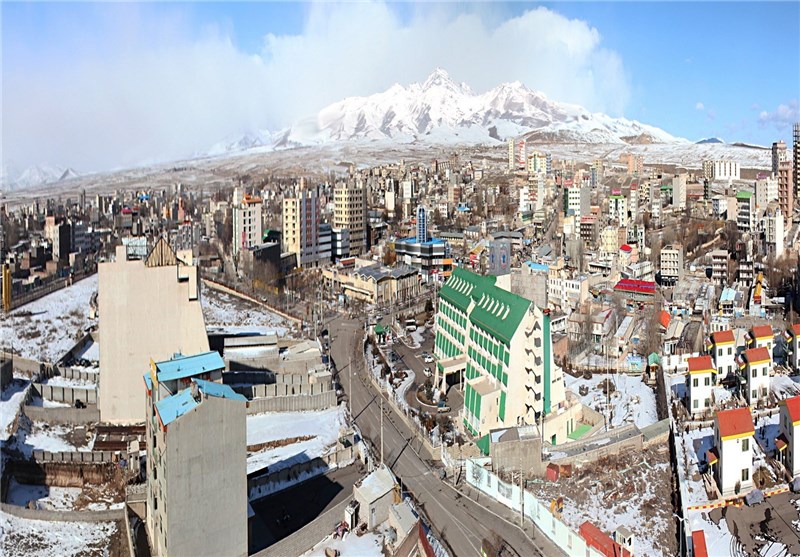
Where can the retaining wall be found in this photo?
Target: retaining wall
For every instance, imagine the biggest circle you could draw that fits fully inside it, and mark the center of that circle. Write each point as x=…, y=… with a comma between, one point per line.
x=267, y=484
x=25, y=366
x=60, y=474
x=591, y=451
x=295, y=403
x=534, y=510
x=82, y=457
x=66, y=394
x=307, y=536
x=82, y=342
x=284, y=389
x=63, y=516
x=80, y=374
x=222, y=288
x=65, y=415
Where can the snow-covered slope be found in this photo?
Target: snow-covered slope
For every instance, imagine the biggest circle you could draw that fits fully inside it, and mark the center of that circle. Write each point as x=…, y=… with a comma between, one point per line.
x=442, y=111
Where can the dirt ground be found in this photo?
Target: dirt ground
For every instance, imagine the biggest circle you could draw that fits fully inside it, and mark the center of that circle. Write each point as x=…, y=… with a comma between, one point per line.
x=777, y=519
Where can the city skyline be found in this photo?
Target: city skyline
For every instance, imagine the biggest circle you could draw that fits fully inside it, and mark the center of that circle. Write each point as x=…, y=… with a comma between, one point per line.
x=155, y=82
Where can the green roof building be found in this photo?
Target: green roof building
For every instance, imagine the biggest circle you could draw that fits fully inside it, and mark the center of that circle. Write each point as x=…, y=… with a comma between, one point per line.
x=500, y=345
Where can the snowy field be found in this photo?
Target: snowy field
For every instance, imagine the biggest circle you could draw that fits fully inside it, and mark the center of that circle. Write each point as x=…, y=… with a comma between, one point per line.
x=783, y=386
x=61, y=381
x=47, y=328
x=44, y=437
x=37, y=538
x=223, y=310
x=632, y=402
x=46, y=497
x=324, y=428
x=368, y=545
x=90, y=352
x=10, y=402
x=693, y=444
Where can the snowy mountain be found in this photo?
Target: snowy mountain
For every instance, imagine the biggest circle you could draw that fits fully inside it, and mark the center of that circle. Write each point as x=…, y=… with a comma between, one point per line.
x=709, y=141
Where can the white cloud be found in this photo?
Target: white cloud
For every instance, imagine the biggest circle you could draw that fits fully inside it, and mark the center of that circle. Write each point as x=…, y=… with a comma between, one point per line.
x=700, y=106
x=170, y=98
x=781, y=118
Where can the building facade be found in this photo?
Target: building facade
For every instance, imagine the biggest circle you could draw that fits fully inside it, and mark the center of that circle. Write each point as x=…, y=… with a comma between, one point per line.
x=701, y=381
x=301, y=227
x=671, y=264
x=247, y=224
x=731, y=459
x=350, y=212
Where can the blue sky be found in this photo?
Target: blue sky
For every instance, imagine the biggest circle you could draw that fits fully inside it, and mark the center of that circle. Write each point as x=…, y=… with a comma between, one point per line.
x=174, y=78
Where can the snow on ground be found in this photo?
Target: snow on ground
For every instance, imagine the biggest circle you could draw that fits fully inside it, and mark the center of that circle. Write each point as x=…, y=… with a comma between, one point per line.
x=221, y=309
x=48, y=327
x=61, y=381
x=40, y=402
x=718, y=537
x=694, y=445
x=90, y=352
x=350, y=545
x=46, y=497
x=677, y=384
x=324, y=426
x=632, y=402
x=767, y=430
x=35, y=538
x=43, y=437
x=10, y=402
x=783, y=386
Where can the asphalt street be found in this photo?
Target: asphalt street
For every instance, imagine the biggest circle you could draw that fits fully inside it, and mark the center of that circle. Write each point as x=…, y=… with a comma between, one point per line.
x=457, y=519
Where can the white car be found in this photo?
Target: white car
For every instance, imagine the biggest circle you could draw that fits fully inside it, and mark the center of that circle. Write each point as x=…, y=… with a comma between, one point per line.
x=427, y=358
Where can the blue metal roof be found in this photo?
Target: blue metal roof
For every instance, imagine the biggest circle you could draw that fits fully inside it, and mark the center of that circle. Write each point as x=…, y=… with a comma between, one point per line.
x=537, y=266
x=181, y=367
x=173, y=407
x=148, y=381
x=210, y=388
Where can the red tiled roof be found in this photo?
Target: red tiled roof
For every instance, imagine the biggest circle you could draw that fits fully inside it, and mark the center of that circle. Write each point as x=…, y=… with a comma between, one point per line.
x=762, y=331
x=781, y=442
x=601, y=541
x=795, y=328
x=638, y=286
x=721, y=337
x=699, y=544
x=793, y=406
x=626, y=248
x=712, y=455
x=664, y=318
x=736, y=422
x=700, y=363
x=757, y=355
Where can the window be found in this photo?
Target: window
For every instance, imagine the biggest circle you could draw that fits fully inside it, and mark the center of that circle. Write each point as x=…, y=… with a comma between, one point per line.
x=745, y=474
x=730, y=351
x=695, y=382
x=695, y=403
x=755, y=373
x=764, y=373
x=707, y=381
x=745, y=445
x=755, y=394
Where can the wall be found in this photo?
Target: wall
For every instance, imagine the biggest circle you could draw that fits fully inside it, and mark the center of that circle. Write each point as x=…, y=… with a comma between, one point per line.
x=22, y=365
x=267, y=484
x=145, y=312
x=61, y=474
x=634, y=443
x=294, y=403
x=285, y=389
x=222, y=288
x=63, y=516
x=53, y=416
x=510, y=455
x=300, y=541
x=538, y=512
x=91, y=337
x=66, y=394
x=83, y=457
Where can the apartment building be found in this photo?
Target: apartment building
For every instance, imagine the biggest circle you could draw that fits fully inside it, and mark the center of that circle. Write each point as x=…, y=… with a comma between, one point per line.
x=779, y=155
x=671, y=264
x=350, y=212
x=788, y=441
x=721, y=170
x=745, y=212
x=679, y=191
x=577, y=200
x=792, y=337
x=196, y=459
x=755, y=363
x=773, y=230
x=766, y=190
x=150, y=309
x=247, y=224
x=618, y=208
x=503, y=344
x=786, y=190
x=700, y=380
x=722, y=347
x=301, y=227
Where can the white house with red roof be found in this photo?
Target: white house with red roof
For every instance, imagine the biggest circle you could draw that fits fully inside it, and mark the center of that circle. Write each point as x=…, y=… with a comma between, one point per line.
x=792, y=336
x=722, y=347
x=761, y=336
x=788, y=442
x=755, y=363
x=700, y=383
x=731, y=459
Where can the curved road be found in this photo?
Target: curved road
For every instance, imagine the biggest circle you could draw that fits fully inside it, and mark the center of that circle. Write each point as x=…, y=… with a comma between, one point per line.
x=461, y=522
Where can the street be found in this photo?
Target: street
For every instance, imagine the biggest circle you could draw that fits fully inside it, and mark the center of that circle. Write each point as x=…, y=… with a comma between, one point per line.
x=456, y=519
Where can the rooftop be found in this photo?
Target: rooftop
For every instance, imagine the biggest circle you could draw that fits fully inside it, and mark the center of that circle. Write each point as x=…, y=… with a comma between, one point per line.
x=734, y=424
x=793, y=407
x=700, y=364
x=757, y=355
x=181, y=367
x=762, y=332
x=377, y=484
x=723, y=337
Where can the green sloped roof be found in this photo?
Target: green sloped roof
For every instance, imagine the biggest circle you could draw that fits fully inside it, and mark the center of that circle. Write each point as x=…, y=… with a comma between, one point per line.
x=499, y=312
x=462, y=286
x=653, y=359
x=483, y=444
x=744, y=195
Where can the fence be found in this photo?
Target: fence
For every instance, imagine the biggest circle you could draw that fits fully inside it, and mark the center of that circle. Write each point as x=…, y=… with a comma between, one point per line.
x=76, y=457
x=284, y=389
x=55, y=284
x=293, y=403
x=62, y=416
x=63, y=516
x=536, y=511
x=588, y=450
x=66, y=394
x=267, y=484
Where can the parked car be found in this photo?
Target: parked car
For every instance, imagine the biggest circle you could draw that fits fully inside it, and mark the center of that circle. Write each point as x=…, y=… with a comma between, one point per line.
x=427, y=372
x=427, y=358
x=79, y=403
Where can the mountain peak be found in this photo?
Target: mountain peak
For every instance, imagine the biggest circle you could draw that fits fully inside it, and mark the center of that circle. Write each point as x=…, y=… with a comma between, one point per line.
x=439, y=78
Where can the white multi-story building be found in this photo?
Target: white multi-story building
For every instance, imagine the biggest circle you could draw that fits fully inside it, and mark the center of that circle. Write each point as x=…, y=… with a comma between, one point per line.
x=745, y=212
x=731, y=459
x=721, y=170
x=761, y=336
x=779, y=154
x=618, y=208
x=671, y=264
x=578, y=200
x=247, y=224
x=701, y=381
x=766, y=190
x=773, y=230
x=679, y=191
x=350, y=212
x=792, y=337
x=196, y=459
x=537, y=163
x=788, y=442
x=722, y=347
x=756, y=362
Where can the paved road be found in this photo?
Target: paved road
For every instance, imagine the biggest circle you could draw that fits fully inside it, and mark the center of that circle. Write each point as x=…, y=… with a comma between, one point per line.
x=458, y=520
